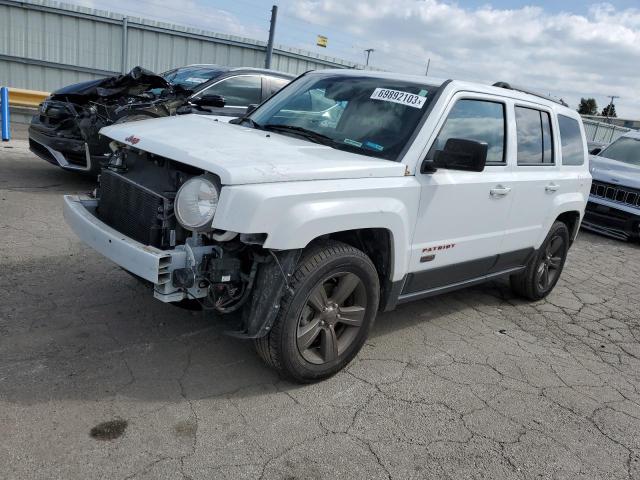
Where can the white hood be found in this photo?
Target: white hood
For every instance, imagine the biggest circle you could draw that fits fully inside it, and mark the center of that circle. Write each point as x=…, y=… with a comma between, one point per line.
x=241, y=155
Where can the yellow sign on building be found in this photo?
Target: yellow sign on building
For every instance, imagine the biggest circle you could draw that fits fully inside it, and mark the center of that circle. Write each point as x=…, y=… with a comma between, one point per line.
x=322, y=41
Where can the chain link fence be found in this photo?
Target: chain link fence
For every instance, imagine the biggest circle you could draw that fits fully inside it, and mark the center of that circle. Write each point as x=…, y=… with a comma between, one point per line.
x=602, y=132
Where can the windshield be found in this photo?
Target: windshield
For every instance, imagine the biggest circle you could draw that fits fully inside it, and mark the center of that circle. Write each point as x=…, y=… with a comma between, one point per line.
x=190, y=77
x=370, y=116
x=624, y=149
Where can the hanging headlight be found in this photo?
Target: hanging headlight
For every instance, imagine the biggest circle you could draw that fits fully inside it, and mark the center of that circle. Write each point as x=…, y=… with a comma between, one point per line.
x=196, y=203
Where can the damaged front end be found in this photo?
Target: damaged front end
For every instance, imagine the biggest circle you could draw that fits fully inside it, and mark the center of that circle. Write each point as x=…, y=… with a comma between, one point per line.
x=65, y=130
x=142, y=217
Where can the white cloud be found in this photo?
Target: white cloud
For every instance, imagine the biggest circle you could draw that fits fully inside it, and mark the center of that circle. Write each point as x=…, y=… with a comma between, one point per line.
x=596, y=53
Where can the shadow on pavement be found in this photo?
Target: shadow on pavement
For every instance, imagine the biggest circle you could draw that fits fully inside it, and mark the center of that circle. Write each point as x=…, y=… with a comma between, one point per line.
x=80, y=327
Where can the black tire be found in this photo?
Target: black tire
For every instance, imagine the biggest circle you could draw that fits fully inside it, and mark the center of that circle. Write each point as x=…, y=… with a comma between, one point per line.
x=551, y=257
x=322, y=266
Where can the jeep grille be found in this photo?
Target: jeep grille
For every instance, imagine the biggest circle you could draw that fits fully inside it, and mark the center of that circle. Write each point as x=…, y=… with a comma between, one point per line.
x=615, y=193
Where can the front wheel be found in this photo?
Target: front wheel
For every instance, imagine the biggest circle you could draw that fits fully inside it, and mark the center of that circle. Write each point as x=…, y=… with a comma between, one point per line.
x=326, y=316
x=544, y=269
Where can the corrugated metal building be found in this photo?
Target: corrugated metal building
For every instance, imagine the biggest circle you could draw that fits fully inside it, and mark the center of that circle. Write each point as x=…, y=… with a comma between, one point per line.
x=45, y=45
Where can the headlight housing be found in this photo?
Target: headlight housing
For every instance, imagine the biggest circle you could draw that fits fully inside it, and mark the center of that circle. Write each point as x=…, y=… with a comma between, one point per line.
x=196, y=203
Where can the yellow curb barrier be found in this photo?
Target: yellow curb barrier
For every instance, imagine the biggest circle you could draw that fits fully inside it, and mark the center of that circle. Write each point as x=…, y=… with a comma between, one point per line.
x=19, y=97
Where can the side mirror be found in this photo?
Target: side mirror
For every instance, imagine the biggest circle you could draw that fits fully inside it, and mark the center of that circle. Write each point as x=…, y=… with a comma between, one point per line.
x=595, y=151
x=458, y=154
x=209, y=101
x=251, y=108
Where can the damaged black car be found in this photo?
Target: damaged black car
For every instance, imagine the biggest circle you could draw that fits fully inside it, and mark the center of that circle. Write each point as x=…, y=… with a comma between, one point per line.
x=65, y=132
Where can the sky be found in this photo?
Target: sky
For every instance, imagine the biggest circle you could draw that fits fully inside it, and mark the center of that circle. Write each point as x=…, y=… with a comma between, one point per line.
x=569, y=49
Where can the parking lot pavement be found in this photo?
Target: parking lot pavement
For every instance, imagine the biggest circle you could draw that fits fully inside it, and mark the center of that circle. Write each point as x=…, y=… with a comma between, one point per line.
x=474, y=384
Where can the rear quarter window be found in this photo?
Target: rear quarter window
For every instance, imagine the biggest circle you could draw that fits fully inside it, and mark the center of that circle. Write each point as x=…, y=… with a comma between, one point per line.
x=571, y=141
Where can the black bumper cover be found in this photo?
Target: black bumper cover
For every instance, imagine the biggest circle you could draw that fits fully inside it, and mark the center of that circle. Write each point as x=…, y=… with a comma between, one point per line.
x=67, y=153
x=612, y=221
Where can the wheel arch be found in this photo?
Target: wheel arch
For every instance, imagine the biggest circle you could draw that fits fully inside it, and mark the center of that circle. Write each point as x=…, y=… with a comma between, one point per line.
x=378, y=245
x=571, y=219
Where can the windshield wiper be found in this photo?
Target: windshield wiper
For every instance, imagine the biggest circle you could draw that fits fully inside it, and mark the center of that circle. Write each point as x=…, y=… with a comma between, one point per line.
x=303, y=132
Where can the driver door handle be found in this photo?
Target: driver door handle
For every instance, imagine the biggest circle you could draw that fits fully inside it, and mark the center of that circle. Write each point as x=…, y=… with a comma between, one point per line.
x=499, y=191
x=552, y=187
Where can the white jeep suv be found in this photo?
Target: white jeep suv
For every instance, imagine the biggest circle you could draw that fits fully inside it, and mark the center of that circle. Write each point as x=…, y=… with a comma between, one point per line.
x=345, y=194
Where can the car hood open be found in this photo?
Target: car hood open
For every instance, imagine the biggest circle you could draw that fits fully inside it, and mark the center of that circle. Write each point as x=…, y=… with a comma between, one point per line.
x=612, y=171
x=241, y=155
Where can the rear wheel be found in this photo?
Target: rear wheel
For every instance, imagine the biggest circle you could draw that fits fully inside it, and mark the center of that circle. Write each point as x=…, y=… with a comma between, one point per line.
x=544, y=269
x=326, y=316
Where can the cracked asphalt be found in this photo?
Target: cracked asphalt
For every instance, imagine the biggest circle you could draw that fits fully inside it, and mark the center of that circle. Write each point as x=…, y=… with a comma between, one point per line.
x=473, y=384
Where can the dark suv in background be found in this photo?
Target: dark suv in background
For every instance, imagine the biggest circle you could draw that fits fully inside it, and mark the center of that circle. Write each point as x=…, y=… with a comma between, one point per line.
x=614, y=203
x=65, y=130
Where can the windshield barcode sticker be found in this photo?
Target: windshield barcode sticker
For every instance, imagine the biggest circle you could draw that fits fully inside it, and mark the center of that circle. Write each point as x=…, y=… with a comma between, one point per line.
x=396, y=96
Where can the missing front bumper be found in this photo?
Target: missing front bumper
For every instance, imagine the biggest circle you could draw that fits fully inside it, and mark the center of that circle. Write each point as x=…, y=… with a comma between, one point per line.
x=146, y=262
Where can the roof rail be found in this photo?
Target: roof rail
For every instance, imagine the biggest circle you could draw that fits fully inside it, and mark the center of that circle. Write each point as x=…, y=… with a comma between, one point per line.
x=530, y=92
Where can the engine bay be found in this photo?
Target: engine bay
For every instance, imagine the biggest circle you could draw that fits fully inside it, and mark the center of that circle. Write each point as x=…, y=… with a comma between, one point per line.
x=136, y=196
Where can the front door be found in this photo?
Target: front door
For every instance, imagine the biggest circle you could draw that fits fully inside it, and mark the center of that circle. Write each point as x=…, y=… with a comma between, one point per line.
x=462, y=215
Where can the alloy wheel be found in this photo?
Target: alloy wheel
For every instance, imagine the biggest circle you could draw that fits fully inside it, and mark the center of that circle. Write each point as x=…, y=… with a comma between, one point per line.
x=550, y=263
x=331, y=317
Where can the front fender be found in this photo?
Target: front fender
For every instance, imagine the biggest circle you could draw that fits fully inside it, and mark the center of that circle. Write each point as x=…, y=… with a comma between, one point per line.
x=293, y=214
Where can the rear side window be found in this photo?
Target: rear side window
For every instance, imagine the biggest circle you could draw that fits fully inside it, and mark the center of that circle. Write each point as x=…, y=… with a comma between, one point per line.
x=277, y=84
x=571, y=141
x=479, y=120
x=535, y=143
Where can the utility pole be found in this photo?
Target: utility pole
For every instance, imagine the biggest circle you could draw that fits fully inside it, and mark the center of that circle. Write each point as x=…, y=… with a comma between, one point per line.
x=125, y=45
x=368, y=52
x=426, y=74
x=272, y=34
x=610, y=105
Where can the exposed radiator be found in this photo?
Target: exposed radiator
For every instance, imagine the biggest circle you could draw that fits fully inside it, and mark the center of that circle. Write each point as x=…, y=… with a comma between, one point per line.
x=134, y=210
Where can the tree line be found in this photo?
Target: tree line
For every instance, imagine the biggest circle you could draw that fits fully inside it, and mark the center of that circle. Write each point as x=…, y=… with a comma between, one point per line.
x=588, y=106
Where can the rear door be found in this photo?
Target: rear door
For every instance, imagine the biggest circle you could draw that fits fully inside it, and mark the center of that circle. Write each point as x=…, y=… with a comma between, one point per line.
x=462, y=215
x=535, y=182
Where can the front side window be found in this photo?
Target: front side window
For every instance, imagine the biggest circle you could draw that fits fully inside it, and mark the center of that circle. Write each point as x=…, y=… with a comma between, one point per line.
x=535, y=143
x=479, y=120
x=624, y=149
x=240, y=91
x=367, y=115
